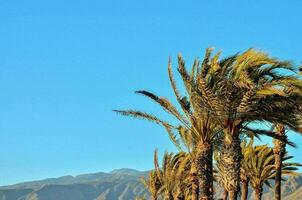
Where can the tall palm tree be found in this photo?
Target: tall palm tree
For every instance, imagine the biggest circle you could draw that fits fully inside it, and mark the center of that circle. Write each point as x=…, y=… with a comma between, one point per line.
x=197, y=129
x=247, y=87
x=294, y=89
x=260, y=168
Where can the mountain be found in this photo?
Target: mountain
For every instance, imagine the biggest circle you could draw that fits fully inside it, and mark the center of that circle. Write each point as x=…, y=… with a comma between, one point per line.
x=119, y=184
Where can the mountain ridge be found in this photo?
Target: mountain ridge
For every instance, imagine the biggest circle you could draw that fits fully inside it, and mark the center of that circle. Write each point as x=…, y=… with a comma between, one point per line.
x=80, y=178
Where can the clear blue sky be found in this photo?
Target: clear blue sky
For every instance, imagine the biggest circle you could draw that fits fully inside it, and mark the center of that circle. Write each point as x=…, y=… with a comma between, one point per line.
x=64, y=65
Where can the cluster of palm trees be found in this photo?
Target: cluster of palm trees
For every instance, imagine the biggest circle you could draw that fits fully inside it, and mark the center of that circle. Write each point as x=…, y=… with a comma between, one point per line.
x=224, y=100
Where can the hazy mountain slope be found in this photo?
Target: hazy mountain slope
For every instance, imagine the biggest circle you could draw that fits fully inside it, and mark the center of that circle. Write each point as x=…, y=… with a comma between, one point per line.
x=61, y=180
x=122, y=184
x=124, y=190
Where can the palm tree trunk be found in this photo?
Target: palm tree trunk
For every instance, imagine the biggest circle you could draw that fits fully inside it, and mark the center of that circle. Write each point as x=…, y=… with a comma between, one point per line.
x=279, y=151
x=230, y=158
x=225, y=195
x=194, y=181
x=204, y=160
x=244, y=191
x=258, y=193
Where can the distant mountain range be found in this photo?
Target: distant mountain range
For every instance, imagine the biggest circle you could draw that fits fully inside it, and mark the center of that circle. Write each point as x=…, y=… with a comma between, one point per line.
x=120, y=184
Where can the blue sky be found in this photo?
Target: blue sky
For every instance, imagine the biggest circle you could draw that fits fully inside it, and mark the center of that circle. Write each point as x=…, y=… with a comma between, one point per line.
x=66, y=64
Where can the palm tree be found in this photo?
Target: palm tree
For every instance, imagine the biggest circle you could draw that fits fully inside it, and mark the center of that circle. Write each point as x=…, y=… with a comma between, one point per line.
x=260, y=167
x=152, y=184
x=197, y=129
x=247, y=87
x=294, y=88
x=183, y=190
x=172, y=175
